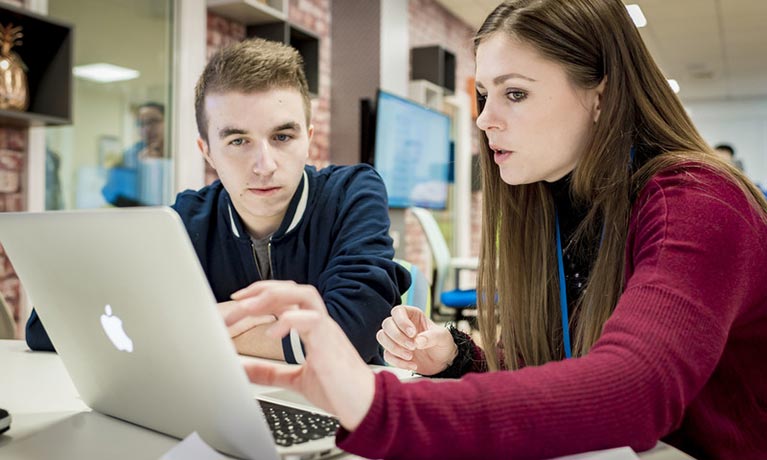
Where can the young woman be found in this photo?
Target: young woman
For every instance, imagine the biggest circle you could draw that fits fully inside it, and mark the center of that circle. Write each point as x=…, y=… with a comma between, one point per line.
x=621, y=272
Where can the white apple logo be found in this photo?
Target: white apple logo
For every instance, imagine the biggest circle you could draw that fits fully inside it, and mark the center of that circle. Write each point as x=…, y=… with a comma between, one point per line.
x=113, y=327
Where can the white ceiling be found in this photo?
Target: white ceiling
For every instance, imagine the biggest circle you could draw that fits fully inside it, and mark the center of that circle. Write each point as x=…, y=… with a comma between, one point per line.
x=715, y=49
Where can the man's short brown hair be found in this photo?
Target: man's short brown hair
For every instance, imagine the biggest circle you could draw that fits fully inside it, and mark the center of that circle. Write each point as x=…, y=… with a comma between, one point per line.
x=250, y=66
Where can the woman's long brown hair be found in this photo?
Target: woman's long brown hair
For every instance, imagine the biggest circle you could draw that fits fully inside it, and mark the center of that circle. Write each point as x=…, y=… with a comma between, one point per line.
x=518, y=290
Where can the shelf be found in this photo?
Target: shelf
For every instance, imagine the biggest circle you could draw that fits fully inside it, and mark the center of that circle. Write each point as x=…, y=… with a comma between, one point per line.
x=249, y=12
x=16, y=119
x=47, y=53
x=306, y=43
x=435, y=64
x=269, y=20
x=308, y=46
x=427, y=93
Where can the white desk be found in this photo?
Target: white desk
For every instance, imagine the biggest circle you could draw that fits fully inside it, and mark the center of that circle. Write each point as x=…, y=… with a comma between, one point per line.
x=50, y=420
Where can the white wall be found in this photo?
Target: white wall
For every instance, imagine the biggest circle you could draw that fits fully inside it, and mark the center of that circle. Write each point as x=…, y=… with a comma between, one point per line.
x=190, y=29
x=97, y=113
x=740, y=123
x=395, y=47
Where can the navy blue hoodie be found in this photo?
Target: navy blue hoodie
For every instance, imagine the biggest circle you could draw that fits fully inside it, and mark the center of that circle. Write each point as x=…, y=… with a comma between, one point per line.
x=334, y=236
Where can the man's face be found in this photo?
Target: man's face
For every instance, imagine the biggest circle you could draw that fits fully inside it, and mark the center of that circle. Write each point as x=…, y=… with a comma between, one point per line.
x=258, y=144
x=151, y=123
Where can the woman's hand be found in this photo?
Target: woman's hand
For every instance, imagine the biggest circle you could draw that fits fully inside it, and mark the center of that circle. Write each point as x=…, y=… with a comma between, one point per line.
x=412, y=341
x=245, y=324
x=333, y=377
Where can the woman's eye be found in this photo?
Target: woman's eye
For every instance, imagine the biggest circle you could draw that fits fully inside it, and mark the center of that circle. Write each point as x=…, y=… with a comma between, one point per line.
x=515, y=95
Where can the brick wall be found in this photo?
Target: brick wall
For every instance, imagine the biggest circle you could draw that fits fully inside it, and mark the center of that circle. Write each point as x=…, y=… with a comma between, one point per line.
x=13, y=150
x=432, y=24
x=222, y=32
x=314, y=16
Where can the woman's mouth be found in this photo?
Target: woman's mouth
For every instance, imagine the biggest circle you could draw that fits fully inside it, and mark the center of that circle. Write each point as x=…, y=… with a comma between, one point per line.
x=500, y=155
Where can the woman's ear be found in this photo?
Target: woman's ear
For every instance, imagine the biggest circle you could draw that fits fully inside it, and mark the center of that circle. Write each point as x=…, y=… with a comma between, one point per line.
x=599, y=91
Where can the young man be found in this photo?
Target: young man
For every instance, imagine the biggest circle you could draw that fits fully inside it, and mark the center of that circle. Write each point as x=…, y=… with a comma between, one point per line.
x=123, y=187
x=272, y=217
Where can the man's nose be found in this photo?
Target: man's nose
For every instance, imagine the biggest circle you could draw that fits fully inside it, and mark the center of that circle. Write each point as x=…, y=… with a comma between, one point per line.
x=264, y=162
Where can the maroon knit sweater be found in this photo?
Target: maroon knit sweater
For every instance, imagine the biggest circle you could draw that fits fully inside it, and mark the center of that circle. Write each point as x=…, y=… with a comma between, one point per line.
x=683, y=357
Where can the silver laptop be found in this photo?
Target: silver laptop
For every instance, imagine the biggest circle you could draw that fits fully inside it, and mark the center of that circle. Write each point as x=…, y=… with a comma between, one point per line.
x=129, y=309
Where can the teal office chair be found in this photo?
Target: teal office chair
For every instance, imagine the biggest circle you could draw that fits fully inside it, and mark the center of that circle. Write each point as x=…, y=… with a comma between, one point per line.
x=419, y=293
x=457, y=300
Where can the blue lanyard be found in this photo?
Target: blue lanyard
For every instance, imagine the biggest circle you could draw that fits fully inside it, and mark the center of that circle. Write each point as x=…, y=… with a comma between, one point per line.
x=563, y=293
x=562, y=286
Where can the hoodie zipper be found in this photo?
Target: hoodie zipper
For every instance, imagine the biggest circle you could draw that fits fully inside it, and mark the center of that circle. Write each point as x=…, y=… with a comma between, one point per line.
x=268, y=255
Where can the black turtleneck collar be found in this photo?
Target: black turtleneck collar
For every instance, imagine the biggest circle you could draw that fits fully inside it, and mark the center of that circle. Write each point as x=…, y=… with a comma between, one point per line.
x=570, y=214
x=577, y=258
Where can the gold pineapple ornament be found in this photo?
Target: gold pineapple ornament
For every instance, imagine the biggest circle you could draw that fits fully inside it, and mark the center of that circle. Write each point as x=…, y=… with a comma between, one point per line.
x=14, y=92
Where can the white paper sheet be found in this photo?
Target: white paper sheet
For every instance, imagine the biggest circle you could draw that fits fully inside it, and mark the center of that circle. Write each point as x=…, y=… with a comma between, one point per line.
x=192, y=448
x=621, y=453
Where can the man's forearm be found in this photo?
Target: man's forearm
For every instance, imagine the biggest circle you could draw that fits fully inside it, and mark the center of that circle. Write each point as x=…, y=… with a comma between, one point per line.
x=255, y=342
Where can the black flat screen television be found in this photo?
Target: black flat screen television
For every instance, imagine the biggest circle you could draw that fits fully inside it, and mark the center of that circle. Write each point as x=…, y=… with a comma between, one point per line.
x=412, y=152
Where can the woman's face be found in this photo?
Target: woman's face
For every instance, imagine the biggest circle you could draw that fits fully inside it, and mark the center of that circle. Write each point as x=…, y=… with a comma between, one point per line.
x=537, y=122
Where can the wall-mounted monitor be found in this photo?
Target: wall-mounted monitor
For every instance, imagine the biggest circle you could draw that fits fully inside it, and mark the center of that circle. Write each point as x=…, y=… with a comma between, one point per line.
x=412, y=152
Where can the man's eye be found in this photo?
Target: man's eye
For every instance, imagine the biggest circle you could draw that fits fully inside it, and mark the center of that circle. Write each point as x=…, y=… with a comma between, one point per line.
x=282, y=137
x=238, y=141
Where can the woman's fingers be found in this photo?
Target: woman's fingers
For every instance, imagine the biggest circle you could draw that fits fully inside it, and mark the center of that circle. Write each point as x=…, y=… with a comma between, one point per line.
x=283, y=291
x=303, y=321
x=235, y=315
x=273, y=374
x=257, y=287
x=397, y=362
x=392, y=347
x=393, y=331
x=402, y=316
x=275, y=298
x=425, y=323
x=432, y=338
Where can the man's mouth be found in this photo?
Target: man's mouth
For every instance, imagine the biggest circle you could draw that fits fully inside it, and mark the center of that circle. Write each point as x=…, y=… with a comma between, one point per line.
x=263, y=190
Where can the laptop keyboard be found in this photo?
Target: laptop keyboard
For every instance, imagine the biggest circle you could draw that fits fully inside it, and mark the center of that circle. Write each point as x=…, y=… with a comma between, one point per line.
x=295, y=426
